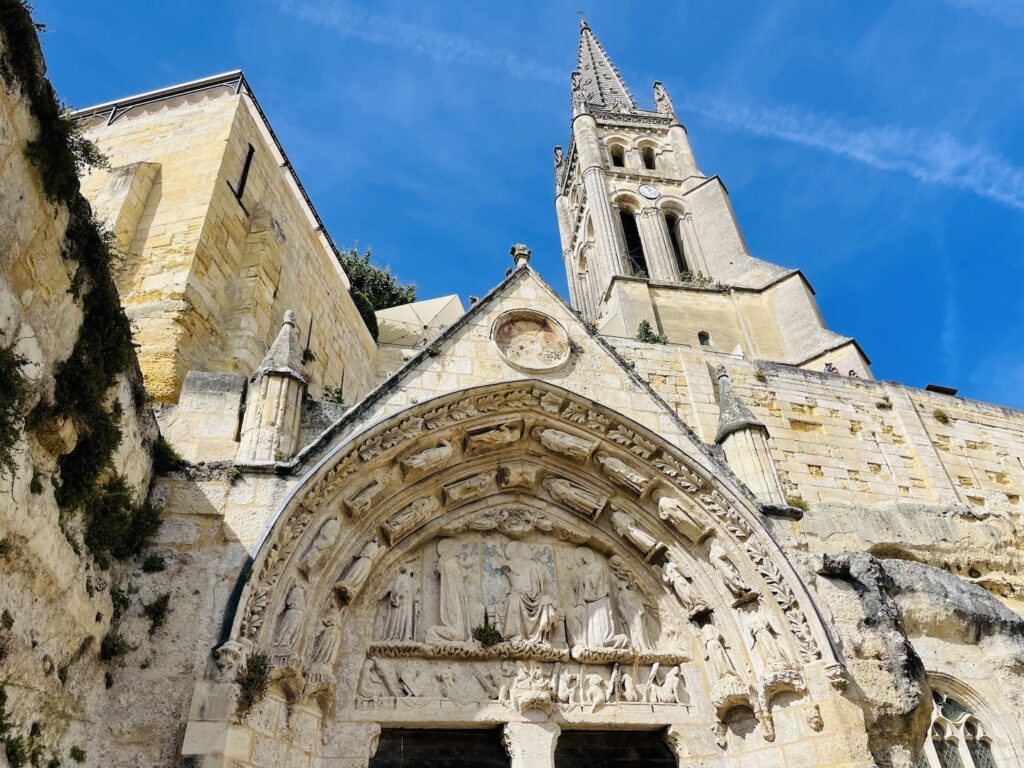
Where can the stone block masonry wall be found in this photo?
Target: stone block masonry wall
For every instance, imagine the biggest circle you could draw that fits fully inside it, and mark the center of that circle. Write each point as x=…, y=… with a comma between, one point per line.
x=837, y=439
x=209, y=276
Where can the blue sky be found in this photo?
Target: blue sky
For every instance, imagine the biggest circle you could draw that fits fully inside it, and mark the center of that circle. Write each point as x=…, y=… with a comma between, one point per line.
x=877, y=146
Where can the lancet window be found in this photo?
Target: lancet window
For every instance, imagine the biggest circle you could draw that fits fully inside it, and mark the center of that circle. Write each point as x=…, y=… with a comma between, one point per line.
x=956, y=739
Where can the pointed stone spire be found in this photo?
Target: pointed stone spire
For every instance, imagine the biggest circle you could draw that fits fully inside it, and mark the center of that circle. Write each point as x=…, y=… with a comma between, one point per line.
x=733, y=415
x=285, y=354
x=600, y=81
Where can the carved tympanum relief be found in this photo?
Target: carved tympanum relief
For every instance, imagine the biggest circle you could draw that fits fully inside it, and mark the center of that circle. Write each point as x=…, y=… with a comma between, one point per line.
x=531, y=341
x=578, y=628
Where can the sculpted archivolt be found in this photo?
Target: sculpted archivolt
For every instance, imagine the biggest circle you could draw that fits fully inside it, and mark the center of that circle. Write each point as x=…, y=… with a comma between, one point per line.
x=550, y=555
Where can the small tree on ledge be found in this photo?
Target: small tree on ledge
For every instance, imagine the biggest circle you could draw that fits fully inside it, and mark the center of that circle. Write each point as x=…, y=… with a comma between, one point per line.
x=646, y=334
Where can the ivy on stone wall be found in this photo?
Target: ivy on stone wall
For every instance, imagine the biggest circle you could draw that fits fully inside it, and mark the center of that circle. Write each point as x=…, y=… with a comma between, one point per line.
x=13, y=398
x=103, y=350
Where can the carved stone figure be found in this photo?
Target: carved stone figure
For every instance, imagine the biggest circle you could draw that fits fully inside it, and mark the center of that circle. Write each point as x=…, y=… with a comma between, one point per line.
x=730, y=574
x=620, y=473
x=326, y=538
x=559, y=157
x=402, y=523
x=363, y=498
x=469, y=488
x=715, y=653
x=403, y=606
x=662, y=102
x=694, y=604
x=290, y=621
x=454, y=626
x=562, y=442
x=495, y=437
x=517, y=475
x=579, y=499
x=672, y=510
x=370, y=685
x=530, y=613
x=627, y=527
x=596, y=691
x=592, y=624
x=634, y=615
x=765, y=638
x=668, y=690
x=429, y=457
x=325, y=644
x=569, y=691
x=357, y=572
x=227, y=657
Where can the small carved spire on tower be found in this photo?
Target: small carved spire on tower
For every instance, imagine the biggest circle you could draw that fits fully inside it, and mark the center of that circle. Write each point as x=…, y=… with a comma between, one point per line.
x=579, y=98
x=662, y=101
x=520, y=255
x=733, y=414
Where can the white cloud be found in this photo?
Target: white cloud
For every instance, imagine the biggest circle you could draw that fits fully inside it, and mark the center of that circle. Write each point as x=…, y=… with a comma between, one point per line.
x=393, y=32
x=932, y=157
x=1010, y=13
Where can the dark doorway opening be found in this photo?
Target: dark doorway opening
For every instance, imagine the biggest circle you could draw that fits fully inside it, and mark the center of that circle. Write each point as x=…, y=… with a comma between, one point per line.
x=432, y=748
x=613, y=749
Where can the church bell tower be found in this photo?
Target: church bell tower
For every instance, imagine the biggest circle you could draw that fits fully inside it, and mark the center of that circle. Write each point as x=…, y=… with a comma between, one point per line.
x=647, y=236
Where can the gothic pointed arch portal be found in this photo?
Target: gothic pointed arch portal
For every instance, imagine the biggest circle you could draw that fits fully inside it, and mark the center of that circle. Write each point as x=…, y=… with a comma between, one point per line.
x=512, y=553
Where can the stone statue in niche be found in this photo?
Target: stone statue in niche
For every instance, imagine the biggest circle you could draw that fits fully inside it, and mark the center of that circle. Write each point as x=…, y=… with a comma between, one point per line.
x=358, y=571
x=592, y=620
x=429, y=457
x=467, y=489
x=562, y=442
x=326, y=538
x=634, y=615
x=402, y=607
x=627, y=527
x=408, y=519
x=579, y=499
x=621, y=473
x=730, y=574
x=530, y=612
x=694, y=604
x=715, y=653
x=766, y=639
x=290, y=621
x=325, y=644
x=454, y=608
x=672, y=510
x=495, y=437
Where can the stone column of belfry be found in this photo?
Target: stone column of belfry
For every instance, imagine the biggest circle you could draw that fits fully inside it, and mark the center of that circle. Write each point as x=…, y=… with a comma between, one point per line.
x=676, y=133
x=608, y=257
x=273, y=407
x=744, y=438
x=657, y=248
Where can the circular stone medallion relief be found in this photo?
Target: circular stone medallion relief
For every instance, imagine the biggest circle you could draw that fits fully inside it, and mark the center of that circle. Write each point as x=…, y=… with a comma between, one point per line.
x=531, y=341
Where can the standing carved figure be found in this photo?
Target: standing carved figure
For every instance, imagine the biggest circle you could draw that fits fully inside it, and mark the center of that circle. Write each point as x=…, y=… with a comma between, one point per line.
x=673, y=575
x=634, y=615
x=290, y=621
x=358, y=571
x=454, y=626
x=325, y=539
x=325, y=644
x=593, y=624
x=429, y=457
x=715, y=653
x=672, y=510
x=530, y=613
x=729, y=572
x=626, y=527
x=403, y=605
x=765, y=638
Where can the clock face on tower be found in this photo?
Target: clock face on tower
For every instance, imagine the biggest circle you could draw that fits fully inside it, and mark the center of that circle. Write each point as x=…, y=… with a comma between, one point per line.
x=649, y=191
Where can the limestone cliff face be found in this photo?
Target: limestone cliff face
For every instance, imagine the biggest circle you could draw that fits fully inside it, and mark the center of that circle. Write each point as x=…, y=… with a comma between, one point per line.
x=55, y=600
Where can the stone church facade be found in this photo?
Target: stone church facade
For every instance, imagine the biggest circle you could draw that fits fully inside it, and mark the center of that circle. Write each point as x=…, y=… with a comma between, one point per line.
x=672, y=521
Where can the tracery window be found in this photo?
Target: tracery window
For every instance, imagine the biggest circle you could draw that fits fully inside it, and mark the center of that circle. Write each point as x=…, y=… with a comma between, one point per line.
x=957, y=739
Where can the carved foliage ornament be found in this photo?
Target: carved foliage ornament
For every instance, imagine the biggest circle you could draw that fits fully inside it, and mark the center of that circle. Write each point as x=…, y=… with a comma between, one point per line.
x=283, y=545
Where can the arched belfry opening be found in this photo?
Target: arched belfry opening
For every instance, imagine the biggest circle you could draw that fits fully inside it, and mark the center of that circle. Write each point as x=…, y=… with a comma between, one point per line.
x=635, y=256
x=517, y=557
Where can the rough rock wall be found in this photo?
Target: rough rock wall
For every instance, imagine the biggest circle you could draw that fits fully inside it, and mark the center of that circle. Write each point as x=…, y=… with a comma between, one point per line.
x=55, y=600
